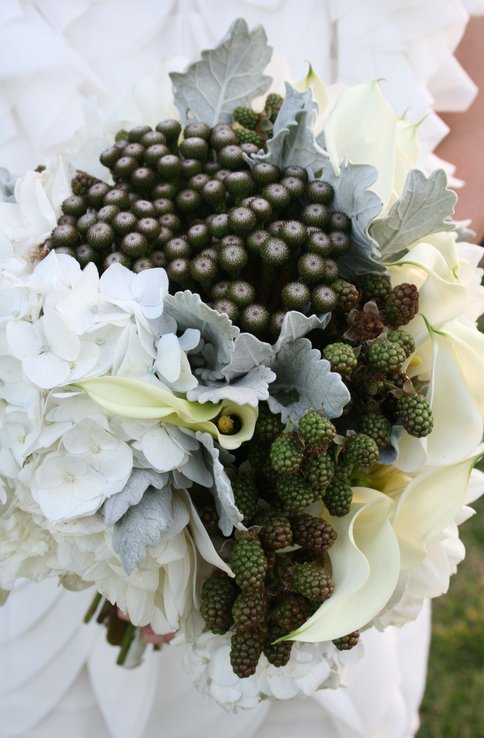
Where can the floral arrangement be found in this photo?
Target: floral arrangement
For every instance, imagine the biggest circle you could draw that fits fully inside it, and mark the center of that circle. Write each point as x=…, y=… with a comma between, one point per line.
x=240, y=377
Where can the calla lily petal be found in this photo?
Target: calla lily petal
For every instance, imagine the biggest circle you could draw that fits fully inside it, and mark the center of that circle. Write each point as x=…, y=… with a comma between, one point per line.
x=366, y=565
x=427, y=506
x=314, y=81
x=372, y=141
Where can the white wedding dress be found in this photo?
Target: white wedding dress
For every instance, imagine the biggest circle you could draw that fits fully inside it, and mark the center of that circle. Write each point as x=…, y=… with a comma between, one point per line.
x=57, y=676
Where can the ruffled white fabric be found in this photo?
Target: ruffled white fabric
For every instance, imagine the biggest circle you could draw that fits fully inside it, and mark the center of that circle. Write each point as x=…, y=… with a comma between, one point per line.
x=58, y=678
x=55, y=55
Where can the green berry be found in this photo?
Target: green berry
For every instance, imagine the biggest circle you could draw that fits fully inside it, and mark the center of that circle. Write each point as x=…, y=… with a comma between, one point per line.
x=342, y=358
x=312, y=581
x=386, y=356
x=318, y=469
x=275, y=532
x=348, y=295
x=246, y=117
x=286, y=454
x=401, y=305
x=339, y=496
x=405, y=340
x=272, y=105
x=249, y=610
x=245, y=650
x=268, y=426
x=416, y=415
x=248, y=562
x=312, y=533
x=375, y=287
x=377, y=427
x=290, y=612
x=217, y=598
x=245, y=135
x=316, y=430
x=345, y=643
x=361, y=450
x=277, y=654
x=296, y=493
x=246, y=496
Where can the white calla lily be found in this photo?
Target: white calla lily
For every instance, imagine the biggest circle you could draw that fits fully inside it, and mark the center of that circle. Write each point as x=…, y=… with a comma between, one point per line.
x=366, y=564
x=314, y=82
x=371, y=141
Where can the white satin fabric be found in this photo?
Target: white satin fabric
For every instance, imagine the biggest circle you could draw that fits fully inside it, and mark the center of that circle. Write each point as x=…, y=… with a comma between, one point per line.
x=55, y=55
x=58, y=677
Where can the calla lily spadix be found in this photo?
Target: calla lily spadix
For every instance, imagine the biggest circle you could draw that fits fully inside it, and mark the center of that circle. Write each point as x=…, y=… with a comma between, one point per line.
x=132, y=398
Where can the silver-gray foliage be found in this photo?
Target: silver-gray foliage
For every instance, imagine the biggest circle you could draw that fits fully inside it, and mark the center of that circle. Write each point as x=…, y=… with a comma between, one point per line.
x=228, y=76
x=140, y=479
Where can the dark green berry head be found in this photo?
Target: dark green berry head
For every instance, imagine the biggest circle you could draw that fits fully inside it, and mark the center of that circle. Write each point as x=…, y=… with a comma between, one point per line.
x=320, y=192
x=295, y=296
x=222, y=135
x=64, y=235
x=171, y=129
x=194, y=148
x=255, y=319
x=100, y=236
x=134, y=245
x=316, y=214
x=242, y=220
x=275, y=252
x=323, y=299
x=264, y=173
x=199, y=236
x=197, y=130
x=241, y=293
x=293, y=233
x=74, y=205
x=319, y=242
x=277, y=195
x=231, y=157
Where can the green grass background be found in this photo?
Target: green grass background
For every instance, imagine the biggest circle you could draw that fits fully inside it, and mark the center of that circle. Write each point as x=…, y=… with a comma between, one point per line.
x=453, y=705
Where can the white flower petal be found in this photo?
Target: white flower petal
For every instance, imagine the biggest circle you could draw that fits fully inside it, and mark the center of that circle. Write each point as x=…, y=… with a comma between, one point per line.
x=46, y=370
x=161, y=451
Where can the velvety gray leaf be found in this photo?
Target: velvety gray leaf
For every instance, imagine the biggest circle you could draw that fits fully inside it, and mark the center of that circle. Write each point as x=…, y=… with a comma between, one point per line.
x=295, y=325
x=229, y=515
x=304, y=381
x=142, y=526
x=7, y=185
x=227, y=76
x=132, y=492
x=248, y=353
x=293, y=140
x=424, y=207
x=352, y=196
x=390, y=454
x=217, y=332
x=249, y=389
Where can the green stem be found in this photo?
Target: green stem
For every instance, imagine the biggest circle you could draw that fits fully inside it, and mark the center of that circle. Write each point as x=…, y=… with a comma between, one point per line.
x=91, y=611
x=128, y=636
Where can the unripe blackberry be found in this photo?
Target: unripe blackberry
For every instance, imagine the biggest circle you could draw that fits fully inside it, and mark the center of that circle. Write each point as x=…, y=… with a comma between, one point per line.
x=311, y=268
x=361, y=450
x=245, y=650
x=312, y=581
x=286, y=454
x=345, y=643
x=64, y=235
x=318, y=470
x=248, y=562
x=320, y=192
x=249, y=610
x=348, y=295
x=246, y=496
x=231, y=157
x=315, y=214
x=290, y=612
x=74, y=205
x=342, y=358
x=100, y=236
x=296, y=493
x=323, y=299
x=275, y=532
x=277, y=654
x=246, y=117
x=272, y=105
x=386, y=356
x=375, y=287
x=246, y=136
x=377, y=427
x=339, y=496
x=268, y=426
x=217, y=598
x=312, y=533
x=405, y=340
x=316, y=430
x=170, y=128
x=416, y=415
x=277, y=195
x=255, y=319
x=319, y=242
x=401, y=305
x=265, y=173
x=293, y=233
x=295, y=296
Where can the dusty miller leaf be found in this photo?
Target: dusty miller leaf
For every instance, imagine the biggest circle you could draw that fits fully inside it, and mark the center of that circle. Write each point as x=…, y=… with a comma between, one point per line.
x=352, y=196
x=248, y=389
x=424, y=207
x=142, y=526
x=248, y=353
x=140, y=479
x=229, y=514
x=304, y=381
x=295, y=325
x=228, y=76
x=293, y=140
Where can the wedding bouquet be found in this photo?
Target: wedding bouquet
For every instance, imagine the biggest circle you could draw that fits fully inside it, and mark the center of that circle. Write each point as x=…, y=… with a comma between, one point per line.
x=240, y=377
